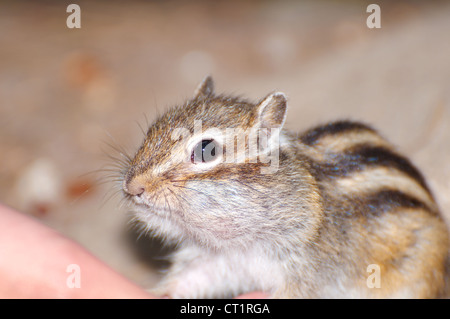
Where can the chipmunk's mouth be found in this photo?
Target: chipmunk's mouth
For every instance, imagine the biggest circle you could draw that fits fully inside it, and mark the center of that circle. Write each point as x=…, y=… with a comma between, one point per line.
x=155, y=205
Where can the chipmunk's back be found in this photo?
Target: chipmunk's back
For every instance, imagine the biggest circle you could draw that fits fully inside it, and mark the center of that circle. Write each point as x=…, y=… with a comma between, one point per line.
x=380, y=212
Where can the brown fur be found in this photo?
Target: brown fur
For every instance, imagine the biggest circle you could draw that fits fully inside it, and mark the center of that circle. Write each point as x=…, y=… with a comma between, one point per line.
x=309, y=229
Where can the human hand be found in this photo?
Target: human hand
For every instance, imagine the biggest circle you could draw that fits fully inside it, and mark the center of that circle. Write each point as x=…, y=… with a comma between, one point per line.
x=34, y=262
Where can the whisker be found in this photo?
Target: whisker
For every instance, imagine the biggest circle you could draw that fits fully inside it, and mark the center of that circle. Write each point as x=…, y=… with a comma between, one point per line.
x=192, y=189
x=156, y=199
x=144, y=133
x=114, y=145
x=200, y=192
x=123, y=201
x=177, y=197
x=166, y=202
x=251, y=187
x=74, y=201
x=108, y=196
x=146, y=120
x=124, y=159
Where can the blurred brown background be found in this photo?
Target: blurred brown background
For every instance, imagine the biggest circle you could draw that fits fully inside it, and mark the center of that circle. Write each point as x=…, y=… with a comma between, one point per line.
x=66, y=93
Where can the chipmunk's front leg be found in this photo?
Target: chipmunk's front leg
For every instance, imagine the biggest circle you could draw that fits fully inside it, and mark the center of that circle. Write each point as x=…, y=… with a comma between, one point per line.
x=194, y=281
x=194, y=274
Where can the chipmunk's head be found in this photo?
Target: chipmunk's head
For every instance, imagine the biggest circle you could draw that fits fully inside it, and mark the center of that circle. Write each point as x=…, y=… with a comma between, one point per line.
x=204, y=168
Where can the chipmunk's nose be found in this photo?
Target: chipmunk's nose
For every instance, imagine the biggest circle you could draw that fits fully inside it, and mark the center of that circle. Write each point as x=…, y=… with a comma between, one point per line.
x=133, y=186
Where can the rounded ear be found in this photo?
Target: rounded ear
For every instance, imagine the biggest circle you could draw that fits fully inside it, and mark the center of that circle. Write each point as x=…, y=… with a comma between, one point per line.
x=272, y=111
x=205, y=88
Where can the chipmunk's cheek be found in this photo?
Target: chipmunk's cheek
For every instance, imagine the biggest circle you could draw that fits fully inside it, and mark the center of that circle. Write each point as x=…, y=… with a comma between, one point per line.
x=223, y=228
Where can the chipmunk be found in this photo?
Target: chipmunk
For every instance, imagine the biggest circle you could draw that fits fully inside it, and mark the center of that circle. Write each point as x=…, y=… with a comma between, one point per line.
x=334, y=212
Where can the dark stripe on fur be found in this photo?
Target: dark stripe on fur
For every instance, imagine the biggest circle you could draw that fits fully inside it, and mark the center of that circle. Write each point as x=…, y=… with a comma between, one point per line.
x=312, y=136
x=375, y=204
x=362, y=157
x=387, y=200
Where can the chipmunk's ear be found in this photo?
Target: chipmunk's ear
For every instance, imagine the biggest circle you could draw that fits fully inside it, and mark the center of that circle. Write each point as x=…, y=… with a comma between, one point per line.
x=205, y=89
x=272, y=111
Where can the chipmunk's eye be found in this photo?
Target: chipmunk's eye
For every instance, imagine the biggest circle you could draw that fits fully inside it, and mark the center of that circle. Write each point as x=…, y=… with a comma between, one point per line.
x=205, y=151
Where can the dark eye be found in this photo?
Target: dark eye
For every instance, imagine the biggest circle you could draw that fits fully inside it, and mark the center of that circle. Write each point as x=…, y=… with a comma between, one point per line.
x=205, y=151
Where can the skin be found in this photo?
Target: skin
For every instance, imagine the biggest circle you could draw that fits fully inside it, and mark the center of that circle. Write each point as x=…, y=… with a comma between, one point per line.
x=34, y=260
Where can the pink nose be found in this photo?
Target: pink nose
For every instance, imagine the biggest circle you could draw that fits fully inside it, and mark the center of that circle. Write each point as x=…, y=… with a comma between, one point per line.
x=133, y=187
